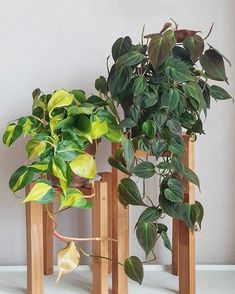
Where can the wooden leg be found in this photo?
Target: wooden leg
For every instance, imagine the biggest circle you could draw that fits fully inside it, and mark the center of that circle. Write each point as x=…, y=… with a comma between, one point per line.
x=47, y=240
x=120, y=232
x=175, y=247
x=107, y=177
x=187, y=284
x=100, y=248
x=34, y=229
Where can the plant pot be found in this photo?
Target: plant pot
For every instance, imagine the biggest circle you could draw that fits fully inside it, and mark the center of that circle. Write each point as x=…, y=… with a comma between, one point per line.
x=77, y=181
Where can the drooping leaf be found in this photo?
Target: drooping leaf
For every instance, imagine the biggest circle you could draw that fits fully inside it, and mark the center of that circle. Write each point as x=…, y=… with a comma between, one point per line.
x=146, y=234
x=68, y=260
x=59, y=99
x=41, y=192
x=219, y=93
x=213, y=64
x=12, y=133
x=149, y=215
x=190, y=176
x=144, y=170
x=67, y=150
x=134, y=269
x=128, y=150
x=20, y=178
x=194, y=90
x=177, y=165
x=201, y=213
x=75, y=198
x=174, y=192
x=84, y=166
x=158, y=50
x=177, y=146
x=195, y=46
x=166, y=240
x=118, y=164
x=129, y=193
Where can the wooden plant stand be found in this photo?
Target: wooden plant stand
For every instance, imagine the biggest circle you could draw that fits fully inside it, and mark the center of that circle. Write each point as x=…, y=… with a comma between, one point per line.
x=109, y=219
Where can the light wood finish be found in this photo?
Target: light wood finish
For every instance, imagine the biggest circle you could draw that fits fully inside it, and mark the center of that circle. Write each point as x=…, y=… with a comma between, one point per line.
x=107, y=177
x=175, y=247
x=120, y=232
x=48, y=240
x=34, y=230
x=100, y=248
x=187, y=283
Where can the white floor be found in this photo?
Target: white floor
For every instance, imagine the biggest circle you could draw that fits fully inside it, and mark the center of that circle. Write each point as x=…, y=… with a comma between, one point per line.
x=157, y=281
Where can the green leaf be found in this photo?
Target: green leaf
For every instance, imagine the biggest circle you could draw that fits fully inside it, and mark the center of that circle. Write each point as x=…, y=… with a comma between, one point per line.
x=134, y=113
x=121, y=46
x=118, y=164
x=158, y=50
x=195, y=46
x=127, y=123
x=190, y=176
x=58, y=168
x=101, y=85
x=150, y=214
x=59, y=99
x=177, y=146
x=144, y=170
x=79, y=95
x=174, y=192
x=98, y=129
x=149, y=128
x=84, y=166
x=177, y=165
x=118, y=80
x=158, y=147
x=170, y=99
x=194, y=90
x=67, y=150
x=213, y=64
x=35, y=148
x=12, y=133
x=134, y=269
x=85, y=108
x=36, y=93
x=174, y=126
x=128, y=150
x=166, y=240
x=96, y=101
x=20, y=178
x=219, y=93
x=75, y=198
x=39, y=166
x=129, y=193
x=164, y=165
x=139, y=86
x=130, y=58
x=201, y=213
x=170, y=35
x=177, y=70
x=114, y=135
x=41, y=192
x=146, y=234
x=82, y=123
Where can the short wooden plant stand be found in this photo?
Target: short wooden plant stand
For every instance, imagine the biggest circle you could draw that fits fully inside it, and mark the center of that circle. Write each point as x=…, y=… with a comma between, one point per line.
x=109, y=220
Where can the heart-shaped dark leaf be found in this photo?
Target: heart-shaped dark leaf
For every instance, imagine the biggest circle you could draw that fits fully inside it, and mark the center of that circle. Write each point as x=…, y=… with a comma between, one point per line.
x=183, y=34
x=144, y=170
x=121, y=46
x=146, y=234
x=139, y=86
x=194, y=90
x=219, y=93
x=195, y=46
x=177, y=146
x=101, y=85
x=177, y=70
x=177, y=165
x=166, y=240
x=134, y=269
x=129, y=193
x=118, y=164
x=190, y=176
x=150, y=214
x=170, y=98
x=134, y=112
x=149, y=128
x=174, y=126
x=213, y=64
x=118, y=80
x=201, y=213
x=131, y=58
x=128, y=150
x=158, y=50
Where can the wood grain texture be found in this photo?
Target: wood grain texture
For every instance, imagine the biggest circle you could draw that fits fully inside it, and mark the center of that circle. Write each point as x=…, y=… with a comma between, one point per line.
x=175, y=247
x=120, y=232
x=48, y=240
x=100, y=248
x=187, y=279
x=34, y=231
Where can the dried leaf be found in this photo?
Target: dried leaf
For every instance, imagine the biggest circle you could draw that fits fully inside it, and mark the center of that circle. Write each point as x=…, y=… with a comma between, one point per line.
x=68, y=260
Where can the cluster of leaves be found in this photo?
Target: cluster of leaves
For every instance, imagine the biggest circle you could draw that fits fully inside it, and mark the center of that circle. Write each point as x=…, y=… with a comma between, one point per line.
x=162, y=86
x=60, y=128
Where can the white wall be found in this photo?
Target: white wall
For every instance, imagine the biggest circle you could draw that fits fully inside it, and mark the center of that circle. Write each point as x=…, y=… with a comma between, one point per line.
x=64, y=44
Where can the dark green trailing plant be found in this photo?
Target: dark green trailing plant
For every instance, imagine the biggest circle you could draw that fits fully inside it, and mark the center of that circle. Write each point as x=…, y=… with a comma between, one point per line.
x=163, y=84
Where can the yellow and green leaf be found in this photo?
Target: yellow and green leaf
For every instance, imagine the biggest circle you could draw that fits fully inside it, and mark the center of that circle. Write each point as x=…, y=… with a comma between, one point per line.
x=74, y=197
x=84, y=166
x=12, y=133
x=98, y=129
x=20, y=178
x=41, y=192
x=59, y=99
x=35, y=148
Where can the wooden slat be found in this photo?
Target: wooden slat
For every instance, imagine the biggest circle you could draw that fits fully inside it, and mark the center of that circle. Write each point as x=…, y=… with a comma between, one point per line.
x=34, y=230
x=48, y=240
x=187, y=283
x=100, y=248
x=175, y=247
x=120, y=232
x=107, y=177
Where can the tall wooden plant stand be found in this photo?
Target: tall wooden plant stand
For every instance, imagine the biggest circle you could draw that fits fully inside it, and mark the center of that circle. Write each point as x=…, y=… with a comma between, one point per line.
x=109, y=219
